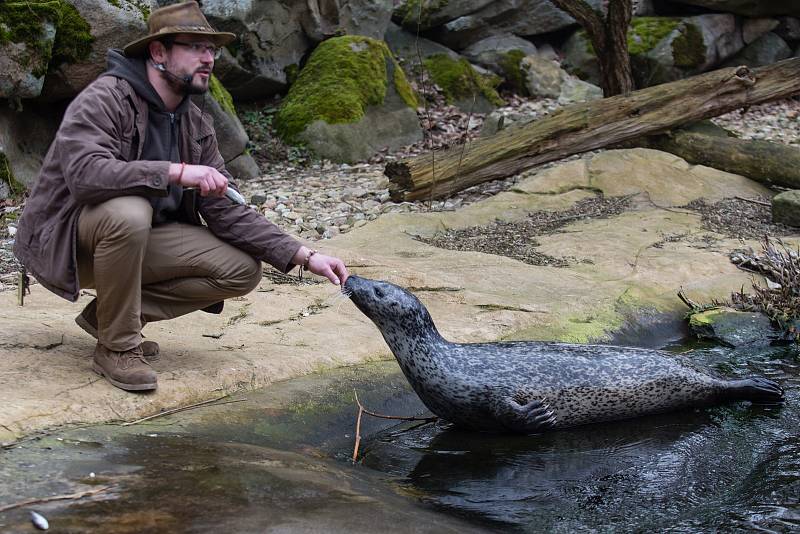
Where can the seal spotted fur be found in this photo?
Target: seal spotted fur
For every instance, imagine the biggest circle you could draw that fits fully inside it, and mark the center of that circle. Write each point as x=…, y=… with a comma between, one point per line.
x=532, y=386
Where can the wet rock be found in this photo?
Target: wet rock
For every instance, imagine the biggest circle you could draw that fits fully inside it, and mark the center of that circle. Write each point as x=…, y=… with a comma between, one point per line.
x=733, y=328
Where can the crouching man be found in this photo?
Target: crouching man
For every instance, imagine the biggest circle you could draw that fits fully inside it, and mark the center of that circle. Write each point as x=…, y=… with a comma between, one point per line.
x=117, y=205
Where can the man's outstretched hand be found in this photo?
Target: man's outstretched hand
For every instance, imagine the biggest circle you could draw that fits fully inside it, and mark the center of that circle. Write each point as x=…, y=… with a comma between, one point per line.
x=328, y=266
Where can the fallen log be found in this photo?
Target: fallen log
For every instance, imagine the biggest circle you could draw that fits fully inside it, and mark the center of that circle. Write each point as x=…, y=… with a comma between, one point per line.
x=762, y=161
x=588, y=126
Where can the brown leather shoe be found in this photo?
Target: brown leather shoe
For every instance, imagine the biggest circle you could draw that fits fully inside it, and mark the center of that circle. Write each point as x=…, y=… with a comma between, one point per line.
x=127, y=370
x=87, y=320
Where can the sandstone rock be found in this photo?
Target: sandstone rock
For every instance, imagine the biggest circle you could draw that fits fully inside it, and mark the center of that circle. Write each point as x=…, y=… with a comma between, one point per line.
x=786, y=208
x=408, y=48
x=542, y=77
x=25, y=137
x=574, y=89
x=326, y=18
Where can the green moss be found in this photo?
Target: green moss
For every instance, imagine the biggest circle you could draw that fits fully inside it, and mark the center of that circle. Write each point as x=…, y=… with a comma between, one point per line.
x=688, y=49
x=7, y=176
x=402, y=86
x=415, y=14
x=512, y=70
x=645, y=33
x=291, y=71
x=22, y=22
x=459, y=80
x=343, y=77
x=221, y=95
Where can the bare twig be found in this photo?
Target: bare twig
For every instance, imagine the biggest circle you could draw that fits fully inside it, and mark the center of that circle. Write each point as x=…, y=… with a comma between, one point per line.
x=67, y=497
x=182, y=409
x=362, y=410
x=686, y=300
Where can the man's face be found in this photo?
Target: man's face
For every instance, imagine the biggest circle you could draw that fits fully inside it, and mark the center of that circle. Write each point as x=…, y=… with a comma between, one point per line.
x=191, y=55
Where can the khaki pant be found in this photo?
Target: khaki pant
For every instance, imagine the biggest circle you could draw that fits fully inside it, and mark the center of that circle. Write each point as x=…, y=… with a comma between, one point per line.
x=144, y=273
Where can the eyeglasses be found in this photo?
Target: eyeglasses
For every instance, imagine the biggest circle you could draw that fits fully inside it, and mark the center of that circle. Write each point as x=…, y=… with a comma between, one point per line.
x=201, y=48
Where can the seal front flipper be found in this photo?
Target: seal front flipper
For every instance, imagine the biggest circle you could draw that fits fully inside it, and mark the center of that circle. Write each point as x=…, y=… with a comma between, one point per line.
x=532, y=416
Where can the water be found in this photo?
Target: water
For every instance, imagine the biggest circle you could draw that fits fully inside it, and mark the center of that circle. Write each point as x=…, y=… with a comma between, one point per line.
x=735, y=467
x=280, y=461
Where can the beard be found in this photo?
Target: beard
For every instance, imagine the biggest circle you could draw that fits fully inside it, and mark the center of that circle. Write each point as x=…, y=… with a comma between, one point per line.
x=178, y=85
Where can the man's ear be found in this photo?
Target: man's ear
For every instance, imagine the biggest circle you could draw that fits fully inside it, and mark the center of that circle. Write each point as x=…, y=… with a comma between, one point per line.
x=158, y=52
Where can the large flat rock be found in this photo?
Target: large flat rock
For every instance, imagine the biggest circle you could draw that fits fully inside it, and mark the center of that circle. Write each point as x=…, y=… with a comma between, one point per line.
x=631, y=268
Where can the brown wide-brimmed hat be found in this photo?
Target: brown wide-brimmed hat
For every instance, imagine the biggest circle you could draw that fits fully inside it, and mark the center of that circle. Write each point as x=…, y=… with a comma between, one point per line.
x=185, y=17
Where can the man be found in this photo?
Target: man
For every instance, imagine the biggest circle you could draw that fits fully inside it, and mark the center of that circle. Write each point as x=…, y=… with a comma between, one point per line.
x=118, y=202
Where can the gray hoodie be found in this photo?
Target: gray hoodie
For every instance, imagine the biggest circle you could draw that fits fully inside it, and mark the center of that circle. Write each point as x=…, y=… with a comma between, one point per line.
x=161, y=138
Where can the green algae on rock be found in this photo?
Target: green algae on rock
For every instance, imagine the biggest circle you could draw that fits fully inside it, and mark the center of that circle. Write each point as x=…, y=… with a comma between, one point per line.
x=459, y=80
x=22, y=22
x=343, y=77
x=221, y=95
x=512, y=70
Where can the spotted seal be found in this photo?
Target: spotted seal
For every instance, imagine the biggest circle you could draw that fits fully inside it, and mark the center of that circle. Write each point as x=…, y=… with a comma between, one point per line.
x=531, y=386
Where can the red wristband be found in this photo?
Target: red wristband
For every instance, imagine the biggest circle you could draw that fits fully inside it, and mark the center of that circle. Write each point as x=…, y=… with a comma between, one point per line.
x=183, y=166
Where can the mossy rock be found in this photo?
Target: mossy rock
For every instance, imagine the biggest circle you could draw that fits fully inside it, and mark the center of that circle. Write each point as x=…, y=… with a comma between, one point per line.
x=459, y=81
x=733, y=328
x=22, y=21
x=343, y=77
x=416, y=14
x=221, y=95
x=7, y=177
x=511, y=65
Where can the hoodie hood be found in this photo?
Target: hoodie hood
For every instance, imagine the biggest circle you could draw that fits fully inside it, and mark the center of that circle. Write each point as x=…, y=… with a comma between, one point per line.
x=134, y=71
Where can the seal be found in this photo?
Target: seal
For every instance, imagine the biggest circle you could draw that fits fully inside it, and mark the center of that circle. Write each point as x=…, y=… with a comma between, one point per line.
x=533, y=386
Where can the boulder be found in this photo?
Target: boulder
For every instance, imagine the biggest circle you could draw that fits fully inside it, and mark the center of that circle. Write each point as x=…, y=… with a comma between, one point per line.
x=408, y=48
x=243, y=168
x=573, y=89
x=767, y=49
x=752, y=29
x=788, y=28
x=87, y=30
x=25, y=137
x=421, y=15
x=749, y=8
x=543, y=77
x=663, y=49
x=733, y=328
x=463, y=84
x=271, y=43
x=349, y=101
x=26, y=49
x=502, y=54
x=231, y=135
x=786, y=208
x=326, y=18
x=523, y=18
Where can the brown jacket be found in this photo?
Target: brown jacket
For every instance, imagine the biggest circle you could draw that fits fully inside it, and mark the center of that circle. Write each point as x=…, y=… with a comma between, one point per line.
x=94, y=158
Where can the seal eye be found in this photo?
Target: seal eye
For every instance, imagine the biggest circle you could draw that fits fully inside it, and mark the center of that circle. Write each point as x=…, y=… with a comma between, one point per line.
x=378, y=293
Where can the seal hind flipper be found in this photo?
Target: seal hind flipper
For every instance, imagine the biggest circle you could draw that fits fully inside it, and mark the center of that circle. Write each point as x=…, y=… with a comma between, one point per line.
x=755, y=389
x=527, y=418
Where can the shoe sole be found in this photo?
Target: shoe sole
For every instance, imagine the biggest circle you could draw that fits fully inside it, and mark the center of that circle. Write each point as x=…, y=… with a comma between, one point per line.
x=121, y=385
